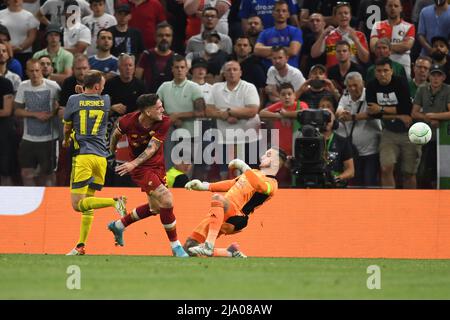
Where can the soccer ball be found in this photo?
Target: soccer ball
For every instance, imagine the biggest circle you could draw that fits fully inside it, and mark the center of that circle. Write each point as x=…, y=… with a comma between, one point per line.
x=419, y=133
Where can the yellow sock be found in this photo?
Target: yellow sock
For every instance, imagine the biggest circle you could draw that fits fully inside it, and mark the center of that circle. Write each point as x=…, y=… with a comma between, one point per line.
x=87, y=217
x=95, y=203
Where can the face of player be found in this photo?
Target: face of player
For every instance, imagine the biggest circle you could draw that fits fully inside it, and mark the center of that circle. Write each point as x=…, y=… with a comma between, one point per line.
x=279, y=59
x=383, y=74
x=80, y=68
x=156, y=111
x=105, y=41
x=343, y=53
x=281, y=13
x=34, y=73
x=382, y=51
x=422, y=70
x=393, y=9
x=47, y=67
x=287, y=97
x=269, y=159
x=4, y=55
x=316, y=23
x=343, y=16
x=242, y=48
x=254, y=26
x=98, y=8
x=179, y=70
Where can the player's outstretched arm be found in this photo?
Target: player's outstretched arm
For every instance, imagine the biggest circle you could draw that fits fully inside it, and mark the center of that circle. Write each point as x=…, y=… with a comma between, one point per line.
x=257, y=183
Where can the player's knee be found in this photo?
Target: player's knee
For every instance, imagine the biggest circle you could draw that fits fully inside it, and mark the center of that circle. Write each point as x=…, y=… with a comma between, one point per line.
x=75, y=205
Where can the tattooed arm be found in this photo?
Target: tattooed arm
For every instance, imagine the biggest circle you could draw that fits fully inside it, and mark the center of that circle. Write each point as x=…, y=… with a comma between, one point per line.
x=151, y=149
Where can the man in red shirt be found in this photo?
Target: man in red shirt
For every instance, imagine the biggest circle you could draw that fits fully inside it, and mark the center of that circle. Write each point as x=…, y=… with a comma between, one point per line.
x=145, y=16
x=146, y=130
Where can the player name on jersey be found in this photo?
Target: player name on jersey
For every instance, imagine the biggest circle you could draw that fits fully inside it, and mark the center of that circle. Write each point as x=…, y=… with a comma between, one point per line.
x=92, y=103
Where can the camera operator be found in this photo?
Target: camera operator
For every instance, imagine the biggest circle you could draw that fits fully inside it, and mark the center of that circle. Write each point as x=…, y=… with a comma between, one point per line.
x=338, y=150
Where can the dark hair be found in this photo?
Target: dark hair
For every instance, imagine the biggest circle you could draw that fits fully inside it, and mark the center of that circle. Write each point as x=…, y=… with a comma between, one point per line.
x=331, y=100
x=146, y=100
x=279, y=48
x=91, y=78
x=104, y=30
x=280, y=2
x=282, y=155
x=178, y=57
x=254, y=15
x=382, y=61
x=163, y=25
x=210, y=9
x=45, y=56
x=4, y=30
x=285, y=85
x=343, y=43
x=93, y=1
x=341, y=4
x=244, y=37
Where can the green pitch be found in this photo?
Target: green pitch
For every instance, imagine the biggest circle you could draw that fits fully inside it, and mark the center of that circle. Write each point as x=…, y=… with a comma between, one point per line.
x=150, y=277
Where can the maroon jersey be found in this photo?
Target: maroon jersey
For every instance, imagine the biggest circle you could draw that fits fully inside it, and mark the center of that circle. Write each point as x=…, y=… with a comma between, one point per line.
x=139, y=137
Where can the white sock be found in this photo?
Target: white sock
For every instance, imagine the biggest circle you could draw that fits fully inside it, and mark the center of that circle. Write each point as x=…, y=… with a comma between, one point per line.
x=174, y=244
x=119, y=225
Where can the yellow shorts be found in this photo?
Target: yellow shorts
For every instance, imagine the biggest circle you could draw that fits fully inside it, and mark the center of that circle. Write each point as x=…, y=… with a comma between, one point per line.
x=88, y=171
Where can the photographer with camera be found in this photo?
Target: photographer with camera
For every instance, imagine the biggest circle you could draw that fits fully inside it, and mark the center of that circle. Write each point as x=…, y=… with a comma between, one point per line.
x=317, y=86
x=362, y=131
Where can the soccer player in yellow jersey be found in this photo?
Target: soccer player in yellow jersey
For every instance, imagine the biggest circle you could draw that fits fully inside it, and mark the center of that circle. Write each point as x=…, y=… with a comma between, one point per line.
x=85, y=121
x=229, y=213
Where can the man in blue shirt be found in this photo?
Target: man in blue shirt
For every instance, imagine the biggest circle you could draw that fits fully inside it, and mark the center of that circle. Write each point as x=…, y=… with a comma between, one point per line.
x=281, y=34
x=263, y=9
x=434, y=21
x=104, y=61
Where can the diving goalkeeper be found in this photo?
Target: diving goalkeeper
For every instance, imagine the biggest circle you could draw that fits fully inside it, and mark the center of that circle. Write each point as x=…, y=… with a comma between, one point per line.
x=229, y=213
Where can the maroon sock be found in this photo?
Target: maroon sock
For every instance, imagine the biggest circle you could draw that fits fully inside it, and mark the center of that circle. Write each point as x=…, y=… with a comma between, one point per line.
x=142, y=212
x=168, y=220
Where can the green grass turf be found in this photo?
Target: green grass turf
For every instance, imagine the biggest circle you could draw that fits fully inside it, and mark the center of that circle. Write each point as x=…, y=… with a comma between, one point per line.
x=152, y=277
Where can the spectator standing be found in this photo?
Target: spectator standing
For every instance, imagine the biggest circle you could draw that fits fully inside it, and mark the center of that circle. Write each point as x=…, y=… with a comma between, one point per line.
x=281, y=34
x=36, y=102
x=264, y=9
x=8, y=138
x=125, y=39
x=104, y=61
x=255, y=27
x=364, y=131
x=13, y=64
x=316, y=25
x=383, y=50
x=54, y=11
x=422, y=68
x=434, y=20
x=4, y=72
x=76, y=36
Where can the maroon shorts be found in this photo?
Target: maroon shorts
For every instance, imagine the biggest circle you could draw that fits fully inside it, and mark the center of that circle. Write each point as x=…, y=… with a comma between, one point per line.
x=149, y=178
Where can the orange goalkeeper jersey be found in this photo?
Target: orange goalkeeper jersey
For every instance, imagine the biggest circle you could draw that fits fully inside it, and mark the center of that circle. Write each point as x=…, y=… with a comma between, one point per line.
x=248, y=191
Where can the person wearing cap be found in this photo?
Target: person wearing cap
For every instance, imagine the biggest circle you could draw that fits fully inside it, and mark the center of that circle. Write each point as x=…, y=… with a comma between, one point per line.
x=126, y=39
x=431, y=105
x=388, y=99
x=97, y=21
x=210, y=19
x=199, y=70
x=400, y=33
x=22, y=27
x=317, y=86
x=50, y=11
x=76, y=36
x=440, y=54
x=383, y=50
x=61, y=59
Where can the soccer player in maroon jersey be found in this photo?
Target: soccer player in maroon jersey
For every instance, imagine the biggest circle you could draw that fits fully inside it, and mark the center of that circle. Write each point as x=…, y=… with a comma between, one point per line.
x=146, y=130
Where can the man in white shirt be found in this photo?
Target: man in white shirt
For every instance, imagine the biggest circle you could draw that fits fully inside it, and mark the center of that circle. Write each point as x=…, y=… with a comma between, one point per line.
x=235, y=104
x=56, y=11
x=281, y=72
x=36, y=102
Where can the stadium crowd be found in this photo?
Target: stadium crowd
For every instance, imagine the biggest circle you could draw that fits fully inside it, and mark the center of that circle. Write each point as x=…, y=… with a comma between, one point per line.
x=377, y=65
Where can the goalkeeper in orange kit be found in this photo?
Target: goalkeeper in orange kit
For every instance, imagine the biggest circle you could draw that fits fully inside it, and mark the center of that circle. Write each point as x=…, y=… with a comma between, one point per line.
x=229, y=213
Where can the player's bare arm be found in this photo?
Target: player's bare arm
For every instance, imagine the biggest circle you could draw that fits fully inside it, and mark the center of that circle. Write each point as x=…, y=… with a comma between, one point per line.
x=67, y=132
x=115, y=137
x=151, y=149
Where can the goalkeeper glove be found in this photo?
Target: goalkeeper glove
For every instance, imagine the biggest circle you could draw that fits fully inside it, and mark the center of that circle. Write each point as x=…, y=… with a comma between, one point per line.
x=238, y=164
x=197, y=185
